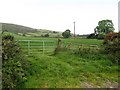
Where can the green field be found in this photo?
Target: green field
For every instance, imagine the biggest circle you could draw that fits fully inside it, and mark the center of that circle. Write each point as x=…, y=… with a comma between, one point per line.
x=70, y=68
x=76, y=41
x=67, y=70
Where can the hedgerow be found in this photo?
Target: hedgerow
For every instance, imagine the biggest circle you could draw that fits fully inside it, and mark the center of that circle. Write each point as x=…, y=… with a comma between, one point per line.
x=14, y=65
x=113, y=50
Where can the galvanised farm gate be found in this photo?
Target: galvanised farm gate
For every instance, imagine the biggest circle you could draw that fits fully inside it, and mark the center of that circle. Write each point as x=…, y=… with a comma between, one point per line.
x=38, y=46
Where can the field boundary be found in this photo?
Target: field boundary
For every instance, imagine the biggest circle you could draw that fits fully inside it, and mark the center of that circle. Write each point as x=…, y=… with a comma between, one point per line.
x=73, y=46
x=39, y=46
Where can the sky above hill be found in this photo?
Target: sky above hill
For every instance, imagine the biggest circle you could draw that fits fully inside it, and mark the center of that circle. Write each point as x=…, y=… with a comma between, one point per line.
x=59, y=15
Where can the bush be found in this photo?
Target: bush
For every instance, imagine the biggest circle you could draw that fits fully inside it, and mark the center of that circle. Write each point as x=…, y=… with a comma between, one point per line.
x=113, y=50
x=13, y=74
x=8, y=37
x=90, y=53
x=100, y=36
x=55, y=32
x=13, y=63
x=46, y=35
x=92, y=36
x=10, y=47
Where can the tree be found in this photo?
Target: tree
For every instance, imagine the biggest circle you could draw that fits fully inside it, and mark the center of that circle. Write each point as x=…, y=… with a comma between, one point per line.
x=104, y=27
x=66, y=33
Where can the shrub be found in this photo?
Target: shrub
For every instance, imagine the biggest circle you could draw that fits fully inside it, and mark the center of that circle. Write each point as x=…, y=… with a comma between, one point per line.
x=113, y=49
x=13, y=74
x=8, y=37
x=13, y=63
x=55, y=32
x=10, y=47
x=24, y=34
x=91, y=36
x=46, y=35
x=101, y=36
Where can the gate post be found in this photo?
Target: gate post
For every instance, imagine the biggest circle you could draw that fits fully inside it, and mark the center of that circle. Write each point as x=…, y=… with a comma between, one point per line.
x=28, y=47
x=43, y=47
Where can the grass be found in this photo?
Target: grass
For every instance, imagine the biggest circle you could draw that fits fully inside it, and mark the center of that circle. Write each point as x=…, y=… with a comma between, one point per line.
x=66, y=70
x=71, y=41
x=70, y=69
x=83, y=41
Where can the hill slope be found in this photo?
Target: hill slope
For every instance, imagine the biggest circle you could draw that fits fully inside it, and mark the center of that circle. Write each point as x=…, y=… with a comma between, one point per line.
x=27, y=31
x=14, y=28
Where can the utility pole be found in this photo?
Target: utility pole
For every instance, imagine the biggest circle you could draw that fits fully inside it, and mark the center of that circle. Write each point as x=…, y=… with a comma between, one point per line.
x=74, y=29
x=119, y=16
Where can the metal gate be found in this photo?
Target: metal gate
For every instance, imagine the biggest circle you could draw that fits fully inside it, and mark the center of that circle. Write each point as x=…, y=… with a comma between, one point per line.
x=37, y=46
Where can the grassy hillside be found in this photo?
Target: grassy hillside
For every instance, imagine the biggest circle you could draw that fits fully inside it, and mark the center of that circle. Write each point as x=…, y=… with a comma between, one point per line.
x=27, y=31
x=14, y=28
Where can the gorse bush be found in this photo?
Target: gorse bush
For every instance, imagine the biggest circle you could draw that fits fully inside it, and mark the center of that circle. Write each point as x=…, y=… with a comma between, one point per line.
x=13, y=63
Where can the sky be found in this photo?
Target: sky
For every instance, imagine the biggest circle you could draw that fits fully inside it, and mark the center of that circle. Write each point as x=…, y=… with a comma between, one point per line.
x=59, y=15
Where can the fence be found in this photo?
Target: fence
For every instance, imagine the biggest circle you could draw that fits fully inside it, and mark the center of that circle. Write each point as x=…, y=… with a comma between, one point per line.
x=48, y=46
x=74, y=46
x=38, y=46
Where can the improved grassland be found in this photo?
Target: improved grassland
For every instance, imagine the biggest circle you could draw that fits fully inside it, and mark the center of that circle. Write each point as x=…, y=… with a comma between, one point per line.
x=70, y=68
x=67, y=70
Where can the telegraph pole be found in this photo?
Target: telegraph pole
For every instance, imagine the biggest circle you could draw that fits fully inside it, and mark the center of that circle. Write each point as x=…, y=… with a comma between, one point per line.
x=119, y=16
x=74, y=29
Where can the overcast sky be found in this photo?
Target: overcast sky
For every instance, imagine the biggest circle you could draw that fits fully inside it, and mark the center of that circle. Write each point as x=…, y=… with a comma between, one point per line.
x=59, y=15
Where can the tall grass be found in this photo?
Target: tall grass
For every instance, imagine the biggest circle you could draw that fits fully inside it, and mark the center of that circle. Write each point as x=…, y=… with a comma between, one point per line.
x=66, y=69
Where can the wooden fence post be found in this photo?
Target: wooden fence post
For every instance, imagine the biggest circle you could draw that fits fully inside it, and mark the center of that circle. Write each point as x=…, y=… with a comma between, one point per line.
x=43, y=47
x=28, y=47
x=59, y=43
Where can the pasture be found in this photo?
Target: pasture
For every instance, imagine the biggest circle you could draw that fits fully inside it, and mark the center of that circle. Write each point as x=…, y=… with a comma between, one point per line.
x=76, y=67
x=67, y=70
